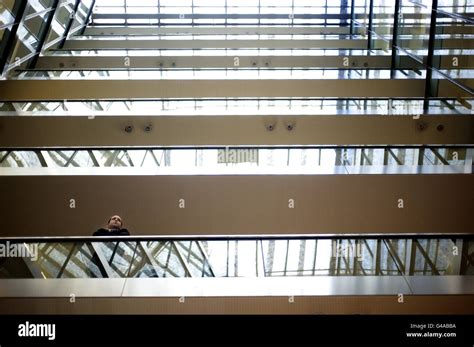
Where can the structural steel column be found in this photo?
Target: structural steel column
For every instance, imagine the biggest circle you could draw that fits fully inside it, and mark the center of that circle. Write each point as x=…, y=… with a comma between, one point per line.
x=8, y=42
x=43, y=35
x=396, y=23
x=429, y=60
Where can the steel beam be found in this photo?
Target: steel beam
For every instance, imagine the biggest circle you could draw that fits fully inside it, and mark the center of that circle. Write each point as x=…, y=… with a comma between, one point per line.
x=68, y=258
x=426, y=258
x=353, y=18
x=8, y=41
x=440, y=158
x=88, y=17
x=182, y=259
x=69, y=24
x=87, y=89
x=395, y=256
x=100, y=260
x=394, y=156
x=370, y=32
x=206, y=260
x=429, y=87
x=395, y=59
x=2, y=159
x=378, y=258
x=43, y=34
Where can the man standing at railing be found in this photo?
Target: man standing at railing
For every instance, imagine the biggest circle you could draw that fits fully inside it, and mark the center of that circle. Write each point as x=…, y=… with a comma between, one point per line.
x=114, y=228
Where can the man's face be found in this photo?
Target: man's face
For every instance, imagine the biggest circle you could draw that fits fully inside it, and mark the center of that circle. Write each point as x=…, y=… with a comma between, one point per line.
x=115, y=222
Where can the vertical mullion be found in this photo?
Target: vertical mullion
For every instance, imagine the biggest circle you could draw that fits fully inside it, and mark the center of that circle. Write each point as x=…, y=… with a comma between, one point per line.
x=429, y=60
x=352, y=17
x=257, y=272
x=396, y=23
x=292, y=12
x=371, y=20
x=355, y=254
x=385, y=156
x=263, y=259
x=126, y=12
x=326, y=13
x=159, y=13
x=421, y=155
x=88, y=17
x=228, y=254
x=71, y=252
x=5, y=156
x=286, y=257
x=378, y=258
x=69, y=24
x=315, y=256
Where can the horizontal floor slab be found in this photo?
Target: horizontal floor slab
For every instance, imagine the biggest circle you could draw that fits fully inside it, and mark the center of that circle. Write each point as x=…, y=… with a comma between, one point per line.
x=30, y=90
x=328, y=43
x=228, y=170
x=235, y=287
x=447, y=285
x=295, y=286
x=228, y=130
x=61, y=288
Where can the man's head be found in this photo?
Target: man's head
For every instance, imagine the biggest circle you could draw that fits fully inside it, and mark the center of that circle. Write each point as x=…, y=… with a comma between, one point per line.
x=115, y=223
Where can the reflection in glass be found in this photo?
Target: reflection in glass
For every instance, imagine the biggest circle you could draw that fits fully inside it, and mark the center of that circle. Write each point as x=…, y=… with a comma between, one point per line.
x=179, y=161
x=231, y=106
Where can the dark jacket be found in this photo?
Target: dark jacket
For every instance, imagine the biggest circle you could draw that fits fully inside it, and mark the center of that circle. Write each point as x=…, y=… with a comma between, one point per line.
x=107, y=232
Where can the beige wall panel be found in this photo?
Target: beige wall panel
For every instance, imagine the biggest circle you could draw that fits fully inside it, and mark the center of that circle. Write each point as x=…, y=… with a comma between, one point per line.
x=65, y=131
x=220, y=205
x=16, y=90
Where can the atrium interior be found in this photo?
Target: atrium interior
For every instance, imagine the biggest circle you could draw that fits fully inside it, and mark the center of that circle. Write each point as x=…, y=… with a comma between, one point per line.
x=267, y=157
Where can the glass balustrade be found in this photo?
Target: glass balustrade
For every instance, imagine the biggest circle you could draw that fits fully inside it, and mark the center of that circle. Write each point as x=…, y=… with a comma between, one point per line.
x=230, y=257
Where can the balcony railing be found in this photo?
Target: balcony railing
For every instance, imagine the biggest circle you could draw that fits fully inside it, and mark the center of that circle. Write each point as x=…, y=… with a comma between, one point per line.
x=251, y=257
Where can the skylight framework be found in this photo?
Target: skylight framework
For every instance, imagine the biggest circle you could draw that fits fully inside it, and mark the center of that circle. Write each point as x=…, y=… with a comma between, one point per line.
x=221, y=12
